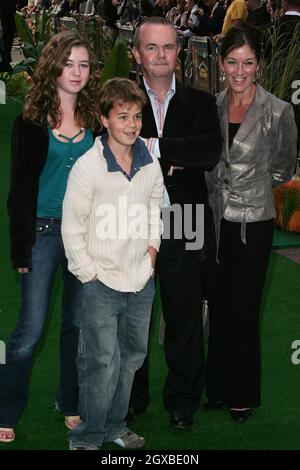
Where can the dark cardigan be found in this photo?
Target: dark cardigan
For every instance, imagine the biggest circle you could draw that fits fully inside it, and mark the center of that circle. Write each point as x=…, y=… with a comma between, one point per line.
x=29, y=150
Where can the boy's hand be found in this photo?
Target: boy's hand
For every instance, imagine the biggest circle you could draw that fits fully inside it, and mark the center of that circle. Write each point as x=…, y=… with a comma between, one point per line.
x=94, y=279
x=153, y=254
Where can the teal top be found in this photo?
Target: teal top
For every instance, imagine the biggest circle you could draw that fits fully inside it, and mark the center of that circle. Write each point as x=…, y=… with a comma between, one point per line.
x=53, y=180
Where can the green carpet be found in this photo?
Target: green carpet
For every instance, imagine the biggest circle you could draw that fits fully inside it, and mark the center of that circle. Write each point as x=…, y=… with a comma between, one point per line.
x=275, y=425
x=283, y=239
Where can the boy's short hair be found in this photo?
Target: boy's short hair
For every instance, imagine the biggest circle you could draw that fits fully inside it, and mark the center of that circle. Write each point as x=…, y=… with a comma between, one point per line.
x=119, y=90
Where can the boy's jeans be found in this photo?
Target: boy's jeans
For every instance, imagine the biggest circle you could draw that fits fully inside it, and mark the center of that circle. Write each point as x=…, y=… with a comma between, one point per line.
x=112, y=346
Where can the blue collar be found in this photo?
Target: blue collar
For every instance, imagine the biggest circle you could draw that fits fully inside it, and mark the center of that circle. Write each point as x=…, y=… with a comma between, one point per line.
x=141, y=157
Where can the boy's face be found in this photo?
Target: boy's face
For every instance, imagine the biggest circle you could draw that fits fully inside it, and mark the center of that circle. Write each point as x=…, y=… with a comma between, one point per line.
x=124, y=123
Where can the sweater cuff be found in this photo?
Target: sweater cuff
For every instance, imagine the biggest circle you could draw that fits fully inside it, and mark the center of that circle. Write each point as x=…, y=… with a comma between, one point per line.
x=86, y=274
x=155, y=243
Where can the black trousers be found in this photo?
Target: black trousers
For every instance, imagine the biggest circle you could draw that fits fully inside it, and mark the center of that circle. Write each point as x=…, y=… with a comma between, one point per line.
x=234, y=292
x=181, y=286
x=181, y=280
x=7, y=12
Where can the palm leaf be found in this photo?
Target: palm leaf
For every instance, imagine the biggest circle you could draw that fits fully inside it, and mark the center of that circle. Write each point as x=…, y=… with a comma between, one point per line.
x=281, y=66
x=116, y=64
x=23, y=31
x=43, y=26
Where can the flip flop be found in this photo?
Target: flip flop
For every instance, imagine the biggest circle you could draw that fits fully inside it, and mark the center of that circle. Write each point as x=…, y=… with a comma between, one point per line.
x=72, y=421
x=7, y=435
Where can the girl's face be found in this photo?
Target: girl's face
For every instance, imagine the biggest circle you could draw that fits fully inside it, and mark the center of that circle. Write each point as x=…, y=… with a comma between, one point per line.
x=76, y=72
x=240, y=67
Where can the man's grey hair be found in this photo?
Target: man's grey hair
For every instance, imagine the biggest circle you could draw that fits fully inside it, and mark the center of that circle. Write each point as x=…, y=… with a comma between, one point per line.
x=153, y=20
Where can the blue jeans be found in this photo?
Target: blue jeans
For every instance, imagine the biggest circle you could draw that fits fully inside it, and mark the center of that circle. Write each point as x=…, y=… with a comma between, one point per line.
x=112, y=346
x=47, y=254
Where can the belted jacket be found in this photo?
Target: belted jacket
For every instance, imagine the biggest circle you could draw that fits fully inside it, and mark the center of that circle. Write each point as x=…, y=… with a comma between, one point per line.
x=262, y=156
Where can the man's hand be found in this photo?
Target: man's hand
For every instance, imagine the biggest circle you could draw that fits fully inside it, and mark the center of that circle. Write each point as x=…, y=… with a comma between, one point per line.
x=191, y=24
x=218, y=38
x=172, y=168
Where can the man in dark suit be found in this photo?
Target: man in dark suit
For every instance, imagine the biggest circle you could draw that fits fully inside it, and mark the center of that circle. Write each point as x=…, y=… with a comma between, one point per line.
x=291, y=11
x=182, y=128
x=211, y=18
x=258, y=15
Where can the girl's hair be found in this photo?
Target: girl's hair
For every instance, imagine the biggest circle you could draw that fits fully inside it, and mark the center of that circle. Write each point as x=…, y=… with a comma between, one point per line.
x=238, y=36
x=43, y=100
x=119, y=91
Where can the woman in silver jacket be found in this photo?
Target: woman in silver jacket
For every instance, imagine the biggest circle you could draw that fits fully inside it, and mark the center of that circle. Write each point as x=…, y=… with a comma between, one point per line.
x=259, y=153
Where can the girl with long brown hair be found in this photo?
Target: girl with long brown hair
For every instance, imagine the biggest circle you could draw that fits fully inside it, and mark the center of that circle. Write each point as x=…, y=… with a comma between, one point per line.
x=57, y=125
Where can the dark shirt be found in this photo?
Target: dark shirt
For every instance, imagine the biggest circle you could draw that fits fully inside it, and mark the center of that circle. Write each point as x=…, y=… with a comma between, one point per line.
x=233, y=127
x=259, y=18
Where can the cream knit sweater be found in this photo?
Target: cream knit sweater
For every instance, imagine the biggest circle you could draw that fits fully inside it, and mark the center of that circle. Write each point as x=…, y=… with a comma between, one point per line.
x=109, y=222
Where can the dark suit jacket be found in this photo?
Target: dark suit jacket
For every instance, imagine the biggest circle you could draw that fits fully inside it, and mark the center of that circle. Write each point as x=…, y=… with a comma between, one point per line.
x=210, y=26
x=191, y=139
x=259, y=18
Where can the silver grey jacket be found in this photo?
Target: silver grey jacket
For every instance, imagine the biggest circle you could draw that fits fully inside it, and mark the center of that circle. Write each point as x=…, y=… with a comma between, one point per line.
x=262, y=156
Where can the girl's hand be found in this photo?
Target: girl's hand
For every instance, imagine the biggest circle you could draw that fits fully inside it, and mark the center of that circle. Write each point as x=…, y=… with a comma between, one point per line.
x=23, y=270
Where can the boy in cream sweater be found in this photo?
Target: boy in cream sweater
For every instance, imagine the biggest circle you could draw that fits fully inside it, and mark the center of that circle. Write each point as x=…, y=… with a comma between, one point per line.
x=111, y=230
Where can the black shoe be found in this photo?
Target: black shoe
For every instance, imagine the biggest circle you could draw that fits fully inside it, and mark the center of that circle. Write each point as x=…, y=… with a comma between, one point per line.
x=240, y=416
x=213, y=405
x=131, y=415
x=181, y=419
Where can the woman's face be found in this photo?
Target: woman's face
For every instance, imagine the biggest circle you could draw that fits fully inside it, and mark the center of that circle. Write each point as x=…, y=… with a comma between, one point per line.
x=76, y=71
x=240, y=67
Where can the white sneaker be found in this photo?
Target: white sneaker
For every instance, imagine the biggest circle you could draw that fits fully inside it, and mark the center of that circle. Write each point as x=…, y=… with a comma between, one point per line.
x=130, y=440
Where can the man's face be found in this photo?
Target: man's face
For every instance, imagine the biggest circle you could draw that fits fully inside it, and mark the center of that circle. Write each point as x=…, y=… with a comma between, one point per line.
x=250, y=4
x=157, y=52
x=209, y=3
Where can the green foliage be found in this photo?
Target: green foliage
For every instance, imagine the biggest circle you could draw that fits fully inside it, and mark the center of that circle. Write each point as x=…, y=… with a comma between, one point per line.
x=282, y=64
x=32, y=43
x=16, y=85
x=116, y=64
